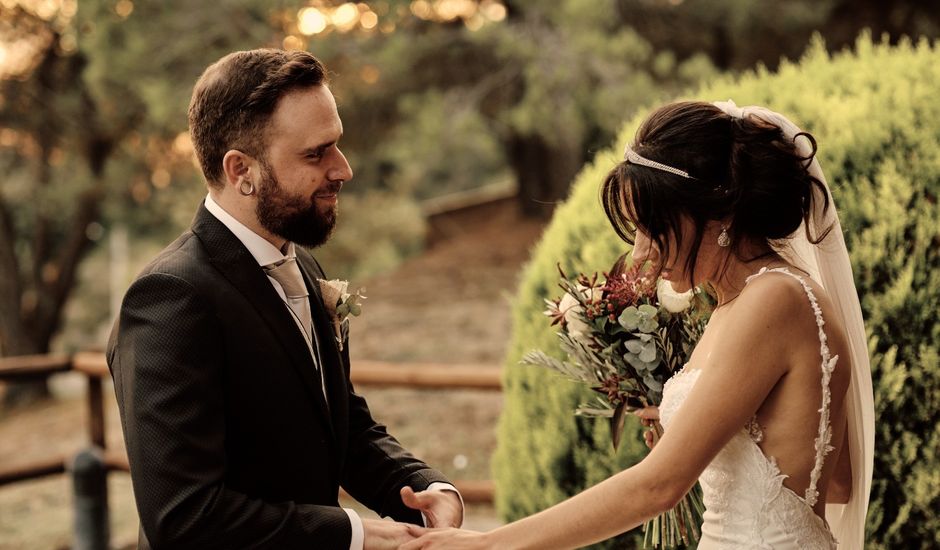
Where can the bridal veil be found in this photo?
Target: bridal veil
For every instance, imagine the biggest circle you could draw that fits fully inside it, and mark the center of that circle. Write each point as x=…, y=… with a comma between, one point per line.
x=828, y=264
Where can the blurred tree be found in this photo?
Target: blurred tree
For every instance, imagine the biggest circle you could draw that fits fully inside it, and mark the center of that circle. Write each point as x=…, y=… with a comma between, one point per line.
x=47, y=121
x=521, y=87
x=89, y=125
x=551, y=80
x=738, y=34
x=566, y=74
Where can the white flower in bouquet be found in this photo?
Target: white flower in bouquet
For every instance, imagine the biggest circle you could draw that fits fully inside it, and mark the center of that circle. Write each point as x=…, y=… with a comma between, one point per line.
x=674, y=302
x=573, y=311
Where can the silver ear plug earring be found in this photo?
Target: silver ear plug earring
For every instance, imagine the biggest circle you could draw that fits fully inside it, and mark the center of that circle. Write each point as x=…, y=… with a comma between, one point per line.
x=249, y=190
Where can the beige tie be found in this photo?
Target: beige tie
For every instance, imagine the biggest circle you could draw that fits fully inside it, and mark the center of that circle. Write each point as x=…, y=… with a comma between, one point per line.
x=287, y=274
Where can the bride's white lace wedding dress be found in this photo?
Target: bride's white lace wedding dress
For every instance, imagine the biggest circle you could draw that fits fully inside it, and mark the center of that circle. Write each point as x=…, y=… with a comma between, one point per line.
x=747, y=505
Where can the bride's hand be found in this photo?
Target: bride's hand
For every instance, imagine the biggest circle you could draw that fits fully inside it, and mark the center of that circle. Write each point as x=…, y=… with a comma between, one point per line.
x=650, y=418
x=446, y=539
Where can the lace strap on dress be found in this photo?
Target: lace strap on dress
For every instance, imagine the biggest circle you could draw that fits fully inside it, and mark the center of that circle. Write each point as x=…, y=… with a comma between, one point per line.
x=824, y=434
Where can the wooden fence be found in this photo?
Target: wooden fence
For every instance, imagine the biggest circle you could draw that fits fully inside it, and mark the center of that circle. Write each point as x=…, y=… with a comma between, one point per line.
x=363, y=373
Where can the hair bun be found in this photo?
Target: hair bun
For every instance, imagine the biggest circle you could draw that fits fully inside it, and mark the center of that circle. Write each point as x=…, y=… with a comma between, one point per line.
x=770, y=179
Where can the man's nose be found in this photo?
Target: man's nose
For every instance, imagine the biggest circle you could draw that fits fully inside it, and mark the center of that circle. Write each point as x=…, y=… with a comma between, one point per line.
x=342, y=170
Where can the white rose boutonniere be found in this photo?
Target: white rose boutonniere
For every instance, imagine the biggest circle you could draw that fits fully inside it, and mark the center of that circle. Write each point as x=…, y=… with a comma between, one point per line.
x=340, y=304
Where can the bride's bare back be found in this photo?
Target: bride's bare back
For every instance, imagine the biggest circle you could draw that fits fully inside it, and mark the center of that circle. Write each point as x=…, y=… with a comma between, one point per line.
x=789, y=415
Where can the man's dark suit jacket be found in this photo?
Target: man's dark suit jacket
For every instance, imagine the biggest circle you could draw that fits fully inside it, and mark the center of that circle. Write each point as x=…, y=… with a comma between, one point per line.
x=230, y=441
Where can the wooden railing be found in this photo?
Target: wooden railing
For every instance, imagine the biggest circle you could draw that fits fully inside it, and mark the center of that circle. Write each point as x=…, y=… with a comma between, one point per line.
x=363, y=373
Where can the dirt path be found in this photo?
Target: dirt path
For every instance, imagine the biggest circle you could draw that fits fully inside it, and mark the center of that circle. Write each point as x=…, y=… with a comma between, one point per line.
x=449, y=305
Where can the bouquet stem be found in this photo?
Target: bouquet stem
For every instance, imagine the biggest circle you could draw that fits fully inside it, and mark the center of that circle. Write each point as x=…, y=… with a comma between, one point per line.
x=679, y=526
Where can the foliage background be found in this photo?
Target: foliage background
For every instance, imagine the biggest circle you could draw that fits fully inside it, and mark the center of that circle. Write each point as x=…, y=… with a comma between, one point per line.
x=877, y=120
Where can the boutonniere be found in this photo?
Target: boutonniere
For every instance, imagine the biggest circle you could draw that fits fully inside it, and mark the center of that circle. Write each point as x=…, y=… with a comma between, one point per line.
x=340, y=304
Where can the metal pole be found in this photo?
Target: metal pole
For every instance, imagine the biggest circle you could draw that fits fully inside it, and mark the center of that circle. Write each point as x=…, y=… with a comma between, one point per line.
x=90, y=488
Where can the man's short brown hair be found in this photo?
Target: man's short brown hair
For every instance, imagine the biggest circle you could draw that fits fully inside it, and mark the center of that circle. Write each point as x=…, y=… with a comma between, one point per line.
x=235, y=97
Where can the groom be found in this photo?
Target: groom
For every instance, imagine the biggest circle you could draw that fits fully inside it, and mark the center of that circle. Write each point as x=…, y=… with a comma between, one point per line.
x=240, y=420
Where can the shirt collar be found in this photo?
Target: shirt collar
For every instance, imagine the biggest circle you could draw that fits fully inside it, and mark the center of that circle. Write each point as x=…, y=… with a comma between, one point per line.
x=260, y=248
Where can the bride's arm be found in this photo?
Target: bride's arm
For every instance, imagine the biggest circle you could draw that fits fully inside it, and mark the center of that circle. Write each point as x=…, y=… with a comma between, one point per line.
x=740, y=373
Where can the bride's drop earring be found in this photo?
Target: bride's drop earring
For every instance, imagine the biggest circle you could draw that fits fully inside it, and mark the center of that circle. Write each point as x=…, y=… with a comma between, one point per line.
x=724, y=240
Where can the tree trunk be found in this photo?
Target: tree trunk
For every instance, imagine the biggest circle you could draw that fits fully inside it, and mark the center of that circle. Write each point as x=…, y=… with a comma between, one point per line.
x=33, y=297
x=544, y=172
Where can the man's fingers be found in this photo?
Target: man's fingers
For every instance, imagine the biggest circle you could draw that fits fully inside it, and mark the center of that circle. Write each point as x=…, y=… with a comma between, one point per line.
x=409, y=497
x=384, y=534
x=422, y=542
x=417, y=531
x=416, y=501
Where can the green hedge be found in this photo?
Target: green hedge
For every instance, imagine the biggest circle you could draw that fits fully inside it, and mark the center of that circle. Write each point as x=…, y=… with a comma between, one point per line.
x=876, y=114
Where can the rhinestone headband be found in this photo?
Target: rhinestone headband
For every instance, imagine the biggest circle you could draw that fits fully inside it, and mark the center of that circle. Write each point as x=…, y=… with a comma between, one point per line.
x=633, y=158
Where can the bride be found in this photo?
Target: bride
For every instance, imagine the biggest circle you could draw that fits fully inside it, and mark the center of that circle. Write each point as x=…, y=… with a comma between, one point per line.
x=773, y=414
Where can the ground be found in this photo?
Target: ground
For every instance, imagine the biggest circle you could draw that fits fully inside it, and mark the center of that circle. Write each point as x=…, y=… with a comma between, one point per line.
x=449, y=305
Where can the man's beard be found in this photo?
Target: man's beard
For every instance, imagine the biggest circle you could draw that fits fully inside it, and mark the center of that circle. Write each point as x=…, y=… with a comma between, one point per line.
x=292, y=217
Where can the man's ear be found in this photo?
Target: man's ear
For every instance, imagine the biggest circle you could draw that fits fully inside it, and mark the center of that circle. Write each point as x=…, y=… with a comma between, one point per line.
x=236, y=167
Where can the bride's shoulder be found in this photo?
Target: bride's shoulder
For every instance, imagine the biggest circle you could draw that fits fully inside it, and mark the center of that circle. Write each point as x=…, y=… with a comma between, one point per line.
x=775, y=295
x=788, y=306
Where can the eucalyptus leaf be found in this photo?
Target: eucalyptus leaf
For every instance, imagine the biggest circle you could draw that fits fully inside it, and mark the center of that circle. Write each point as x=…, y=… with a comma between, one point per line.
x=652, y=383
x=639, y=364
x=648, y=325
x=634, y=346
x=630, y=318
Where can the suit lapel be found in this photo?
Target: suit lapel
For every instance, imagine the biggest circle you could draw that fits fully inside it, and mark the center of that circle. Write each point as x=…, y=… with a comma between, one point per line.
x=229, y=256
x=334, y=373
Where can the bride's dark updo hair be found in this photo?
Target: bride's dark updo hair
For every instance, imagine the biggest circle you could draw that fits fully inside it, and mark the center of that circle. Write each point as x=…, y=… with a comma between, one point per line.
x=743, y=170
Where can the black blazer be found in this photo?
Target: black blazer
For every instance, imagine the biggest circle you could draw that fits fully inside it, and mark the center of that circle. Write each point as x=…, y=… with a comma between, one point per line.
x=230, y=440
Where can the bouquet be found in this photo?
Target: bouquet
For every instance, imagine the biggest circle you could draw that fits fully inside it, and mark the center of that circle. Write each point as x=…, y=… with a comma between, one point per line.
x=625, y=334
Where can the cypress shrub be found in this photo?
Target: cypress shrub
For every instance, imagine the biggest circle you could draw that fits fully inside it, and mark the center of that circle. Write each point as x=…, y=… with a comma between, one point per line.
x=875, y=112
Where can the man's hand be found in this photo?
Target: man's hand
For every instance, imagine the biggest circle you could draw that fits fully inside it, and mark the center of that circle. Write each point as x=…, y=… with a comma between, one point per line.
x=441, y=508
x=382, y=535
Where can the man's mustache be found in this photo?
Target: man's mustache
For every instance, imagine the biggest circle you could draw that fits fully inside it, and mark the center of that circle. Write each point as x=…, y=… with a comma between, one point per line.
x=331, y=188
